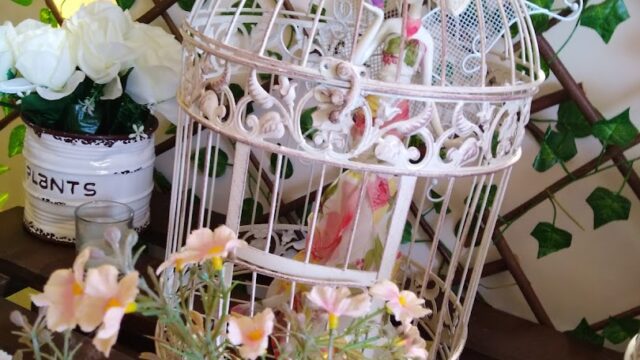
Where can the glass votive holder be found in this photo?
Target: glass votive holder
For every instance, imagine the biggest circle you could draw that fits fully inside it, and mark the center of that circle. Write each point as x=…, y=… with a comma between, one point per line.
x=104, y=226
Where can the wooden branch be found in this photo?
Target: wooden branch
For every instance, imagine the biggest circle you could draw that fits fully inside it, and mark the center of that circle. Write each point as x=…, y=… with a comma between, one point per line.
x=9, y=118
x=54, y=10
x=625, y=314
x=586, y=107
x=157, y=10
x=170, y=24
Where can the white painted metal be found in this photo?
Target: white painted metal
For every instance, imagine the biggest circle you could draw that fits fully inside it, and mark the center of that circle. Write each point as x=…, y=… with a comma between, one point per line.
x=66, y=170
x=372, y=133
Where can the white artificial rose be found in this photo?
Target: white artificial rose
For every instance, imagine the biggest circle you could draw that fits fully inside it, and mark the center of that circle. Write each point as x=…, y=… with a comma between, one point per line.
x=156, y=67
x=7, y=61
x=99, y=30
x=43, y=55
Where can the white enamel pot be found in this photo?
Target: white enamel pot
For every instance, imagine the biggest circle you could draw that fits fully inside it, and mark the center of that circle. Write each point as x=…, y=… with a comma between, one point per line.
x=65, y=170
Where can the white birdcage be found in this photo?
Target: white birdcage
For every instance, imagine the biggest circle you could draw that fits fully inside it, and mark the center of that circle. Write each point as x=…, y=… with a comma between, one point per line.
x=402, y=120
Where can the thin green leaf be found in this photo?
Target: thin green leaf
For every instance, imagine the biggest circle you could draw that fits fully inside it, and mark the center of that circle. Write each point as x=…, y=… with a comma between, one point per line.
x=406, y=233
x=555, y=147
x=23, y=2
x=3, y=169
x=186, y=5
x=288, y=168
x=604, y=17
x=221, y=164
x=619, y=330
x=46, y=16
x=617, y=131
x=247, y=210
x=571, y=120
x=4, y=196
x=550, y=238
x=608, y=206
x=306, y=122
x=16, y=140
x=584, y=332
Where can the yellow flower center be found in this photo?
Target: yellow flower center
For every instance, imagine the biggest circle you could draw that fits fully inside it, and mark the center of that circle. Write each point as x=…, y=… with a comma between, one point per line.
x=401, y=300
x=77, y=289
x=131, y=308
x=333, y=321
x=128, y=309
x=255, y=335
x=113, y=302
x=215, y=250
x=217, y=263
x=179, y=264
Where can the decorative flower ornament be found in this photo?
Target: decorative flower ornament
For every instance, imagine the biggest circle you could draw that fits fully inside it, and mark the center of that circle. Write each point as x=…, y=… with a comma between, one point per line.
x=138, y=132
x=251, y=332
x=339, y=302
x=105, y=302
x=62, y=294
x=204, y=244
x=404, y=305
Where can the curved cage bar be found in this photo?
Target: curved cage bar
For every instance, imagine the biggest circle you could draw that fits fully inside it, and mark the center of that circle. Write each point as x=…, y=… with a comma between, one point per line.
x=353, y=141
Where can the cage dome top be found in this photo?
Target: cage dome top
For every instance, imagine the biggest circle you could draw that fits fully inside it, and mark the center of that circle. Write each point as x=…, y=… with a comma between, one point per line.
x=401, y=86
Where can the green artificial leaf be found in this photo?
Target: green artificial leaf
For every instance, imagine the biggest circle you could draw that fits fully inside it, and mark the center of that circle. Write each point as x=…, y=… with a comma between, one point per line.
x=437, y=205
x=171, y=130
x=16, y=140
x=619, y=330
x=221, y=164
x=247, y=210
x=288, y=171
x=617, y=131
x=492, y=196
x=3, y=169
x=23, y=2
x=406, y=233
x=373, y=257
x=4, y=196
x=571, y=120
x=161, y=182
x=584, y=332
x=608, y=206
x=306, y=122
x=550, y=238
x=604, y=17
x=238, y=93
x=45, y=113
x=46, y=16
x=556, y=146
x=128, y=113
x=186, y=5
x=541, y=21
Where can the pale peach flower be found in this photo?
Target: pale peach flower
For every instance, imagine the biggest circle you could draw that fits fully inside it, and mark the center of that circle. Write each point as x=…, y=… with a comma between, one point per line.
x=405, y=305
x=251, y=332
x=62, y=293
x=339, y=302
x=411, y=344
x=105, y=302
x=204, y=244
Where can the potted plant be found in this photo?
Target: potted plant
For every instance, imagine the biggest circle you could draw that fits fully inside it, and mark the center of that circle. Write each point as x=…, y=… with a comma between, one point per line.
x=87, y=90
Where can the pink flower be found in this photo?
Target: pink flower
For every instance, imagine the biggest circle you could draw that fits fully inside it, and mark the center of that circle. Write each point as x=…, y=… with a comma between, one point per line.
x=339, y=302
x=62, y=293
x=404, y=305
x=204, y=244
x=378, y=192
x=411, y=344
x=251, y=332
x=105, y=302
x=412, y=26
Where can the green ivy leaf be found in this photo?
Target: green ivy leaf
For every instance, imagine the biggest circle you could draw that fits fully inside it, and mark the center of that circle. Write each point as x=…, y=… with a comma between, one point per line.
x=288, y=170
x=4, y=196
x=608, y=206
x=584, y=332
x=127, y=4
x=492, y=196
x=557, y=146
x=221, y=165
x=604, y=17
x=23, y=2
x=46, y=16
x=406, y=233
x=617, y=131
x=571, y=120
x=540, y=21
x=437, y=205
x=550, y=238
x=247, y=210
x=306, y=122
x=3, y=169
x=619, y=330
x=16, y=140
x=186, y=5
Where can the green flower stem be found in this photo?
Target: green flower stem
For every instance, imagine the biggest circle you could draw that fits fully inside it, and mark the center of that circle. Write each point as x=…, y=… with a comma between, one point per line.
x=575, y=27
x=555, y=212
x=564, y=167
x=626, y=178
x=331, y=336
x=67, y=338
